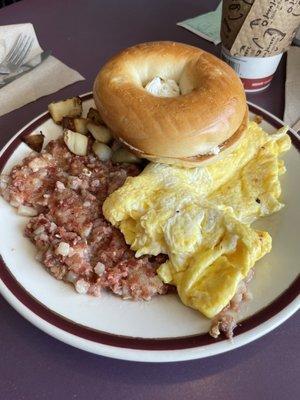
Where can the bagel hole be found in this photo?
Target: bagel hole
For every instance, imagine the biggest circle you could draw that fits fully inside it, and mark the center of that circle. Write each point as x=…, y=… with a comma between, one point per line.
x=161, y=87
x=167, y=87
x=164, y=71
x=160, y=79
x=162, y=75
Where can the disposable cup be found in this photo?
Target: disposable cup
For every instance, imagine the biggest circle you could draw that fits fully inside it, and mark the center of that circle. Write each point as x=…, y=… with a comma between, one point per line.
x=256, y=73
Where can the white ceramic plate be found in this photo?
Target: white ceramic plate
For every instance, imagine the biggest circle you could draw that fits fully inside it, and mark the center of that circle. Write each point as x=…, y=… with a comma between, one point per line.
x=162, y=329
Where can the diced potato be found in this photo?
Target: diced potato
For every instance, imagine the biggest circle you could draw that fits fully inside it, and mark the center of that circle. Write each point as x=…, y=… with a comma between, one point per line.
x=102, y=151
x=94, y=116
x=122, y=155
x=116, y=145
x=63, y=249
x=75, y=124
x=26, y=211
x=99, y=132
x=68, y=123
x=81, y=125
x=76, y=142
x=35, y=142
x=65, y=108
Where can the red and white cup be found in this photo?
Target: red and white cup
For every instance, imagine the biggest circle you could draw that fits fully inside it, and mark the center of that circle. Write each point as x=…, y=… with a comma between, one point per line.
x=256, y=73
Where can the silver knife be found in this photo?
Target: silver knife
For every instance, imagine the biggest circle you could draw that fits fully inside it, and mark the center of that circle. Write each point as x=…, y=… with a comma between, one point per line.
x=28, y=66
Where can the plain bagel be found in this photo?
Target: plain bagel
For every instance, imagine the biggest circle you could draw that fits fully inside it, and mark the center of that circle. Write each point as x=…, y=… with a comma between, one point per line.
x=210, y=109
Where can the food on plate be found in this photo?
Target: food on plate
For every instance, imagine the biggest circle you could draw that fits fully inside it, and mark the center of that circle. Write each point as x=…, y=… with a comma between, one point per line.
x=76, y=142
x=35, y=142
x=201, y=218
x=207, y=115
x=102, y=216
x=64, y=193
x=163, y=87
x=27, y=211
x=99, y=132
x=94, y=116
x=65, y=108
x=122, y=155
x=102, y=151
x=75, y=124
x=258, y=119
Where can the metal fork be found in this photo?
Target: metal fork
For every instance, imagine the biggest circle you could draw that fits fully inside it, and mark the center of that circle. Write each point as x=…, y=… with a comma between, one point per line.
x=17, y=54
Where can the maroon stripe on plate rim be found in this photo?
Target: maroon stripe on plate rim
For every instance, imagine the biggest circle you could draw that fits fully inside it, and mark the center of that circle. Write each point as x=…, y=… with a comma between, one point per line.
x=135, y=342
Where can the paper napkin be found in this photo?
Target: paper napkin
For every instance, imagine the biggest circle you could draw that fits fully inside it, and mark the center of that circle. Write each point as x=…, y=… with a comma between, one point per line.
x=206, y=25
x=49, y=77
x=292, y=86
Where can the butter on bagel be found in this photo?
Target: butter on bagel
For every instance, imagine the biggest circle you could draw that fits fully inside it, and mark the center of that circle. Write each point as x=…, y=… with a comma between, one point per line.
x=171, y=102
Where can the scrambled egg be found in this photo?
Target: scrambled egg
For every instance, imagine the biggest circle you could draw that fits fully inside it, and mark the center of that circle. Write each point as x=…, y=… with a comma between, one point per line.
x=201, y=217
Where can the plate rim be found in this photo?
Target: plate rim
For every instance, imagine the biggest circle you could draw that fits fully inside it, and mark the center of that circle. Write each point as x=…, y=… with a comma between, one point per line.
x=143, y=349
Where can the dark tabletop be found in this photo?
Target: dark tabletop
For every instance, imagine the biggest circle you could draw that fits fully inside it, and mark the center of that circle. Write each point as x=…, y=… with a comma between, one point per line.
x=35, y=366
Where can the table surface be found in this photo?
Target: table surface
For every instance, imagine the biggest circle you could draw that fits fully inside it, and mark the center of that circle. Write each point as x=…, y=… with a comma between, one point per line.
x=33, y=365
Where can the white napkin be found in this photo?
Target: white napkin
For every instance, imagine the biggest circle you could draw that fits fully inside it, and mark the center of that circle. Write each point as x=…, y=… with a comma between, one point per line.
x=292, y=87
x=296, y=40
x=206, y=25
x=49, y=77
